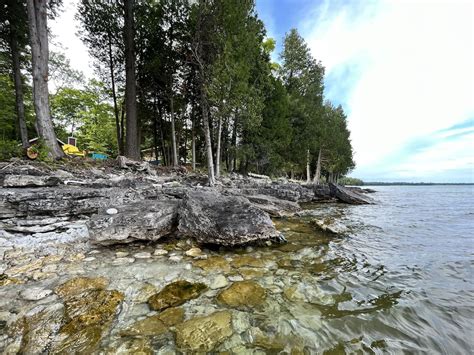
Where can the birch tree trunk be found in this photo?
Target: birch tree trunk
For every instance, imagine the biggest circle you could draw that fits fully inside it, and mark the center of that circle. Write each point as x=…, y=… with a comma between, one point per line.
x=174, y=152
x=218, y=149
x=207, y=136
x=37, y=23
x=193, y=142
x=20, y=107
x=132, y=144
x=308, y=167
x=317, y=174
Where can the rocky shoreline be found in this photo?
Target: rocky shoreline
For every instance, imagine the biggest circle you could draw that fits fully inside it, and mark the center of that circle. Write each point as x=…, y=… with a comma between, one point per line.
x=133, y=202
x=129, y=260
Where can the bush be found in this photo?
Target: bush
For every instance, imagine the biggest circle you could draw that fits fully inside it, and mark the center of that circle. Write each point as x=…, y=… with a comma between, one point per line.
x=10, y=149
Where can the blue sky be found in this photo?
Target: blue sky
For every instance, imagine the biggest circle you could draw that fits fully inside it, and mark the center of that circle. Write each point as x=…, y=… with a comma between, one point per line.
x=403, y=71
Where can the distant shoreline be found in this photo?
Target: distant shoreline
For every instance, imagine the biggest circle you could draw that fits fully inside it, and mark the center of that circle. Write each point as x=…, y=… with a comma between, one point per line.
x=417, y=183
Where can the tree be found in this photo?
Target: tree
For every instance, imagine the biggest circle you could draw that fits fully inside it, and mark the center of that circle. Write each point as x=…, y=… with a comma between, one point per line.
x=303, y=78
x=37, y=22
x=102, y=31
x=132, y=142
x=13, y=33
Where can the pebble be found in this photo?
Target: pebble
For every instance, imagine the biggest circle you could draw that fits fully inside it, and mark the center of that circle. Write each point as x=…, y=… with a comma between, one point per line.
x=194, y=252
x=90, y=258
x=123, y=261
x=121, y=254
x=142, y=255
x=219, y=281
x=175, y=258
x=160, y=252
x=111, y=211
x=35, y=293
x=95, y=251
x=235, y=278
x=188, y=266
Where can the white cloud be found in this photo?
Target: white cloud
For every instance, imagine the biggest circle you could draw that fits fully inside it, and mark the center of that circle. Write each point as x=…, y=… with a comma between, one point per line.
x=64, y=29
x=417, y=74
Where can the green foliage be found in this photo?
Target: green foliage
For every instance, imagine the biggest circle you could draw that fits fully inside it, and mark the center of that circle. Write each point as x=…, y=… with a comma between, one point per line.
x=10, y=149
x=86, y=114
x=347, y=180
x=42, y=149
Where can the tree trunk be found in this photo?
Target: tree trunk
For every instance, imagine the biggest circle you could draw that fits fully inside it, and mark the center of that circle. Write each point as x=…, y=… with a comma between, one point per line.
x=207, y=136
x=317, y=174
x=37, y=22
x=193, y=142
x=218, y=149
x=20, y=107
x=308, y=167
x=132, y=144
x=174, y=152
x=114, y=97
x=155, y=136
x=234, y=145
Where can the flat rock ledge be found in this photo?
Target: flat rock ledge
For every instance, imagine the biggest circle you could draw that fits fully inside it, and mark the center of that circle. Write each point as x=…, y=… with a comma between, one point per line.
x=41, y=207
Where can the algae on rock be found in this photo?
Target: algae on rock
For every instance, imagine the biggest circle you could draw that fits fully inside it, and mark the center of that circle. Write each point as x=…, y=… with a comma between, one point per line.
x=175, y=294
x=204, y=333
x=243, y=294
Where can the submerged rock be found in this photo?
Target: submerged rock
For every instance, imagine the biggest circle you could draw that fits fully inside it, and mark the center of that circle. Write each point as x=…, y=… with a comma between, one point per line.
x=204, y=333
x=78, y=285
x=243, y=294
x=330, y=225
x=157, y=324
x=214, y=218
x=88, y=316
x=35, y=293
x=175, y=294
x=213, y=263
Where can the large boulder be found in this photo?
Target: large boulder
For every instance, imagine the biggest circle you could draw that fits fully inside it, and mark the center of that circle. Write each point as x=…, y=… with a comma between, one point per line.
x=213, y=218
x=148, y=220
x=349, y=196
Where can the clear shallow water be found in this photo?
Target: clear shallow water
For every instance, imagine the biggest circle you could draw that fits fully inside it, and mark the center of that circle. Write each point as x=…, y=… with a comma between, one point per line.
x=400, y=282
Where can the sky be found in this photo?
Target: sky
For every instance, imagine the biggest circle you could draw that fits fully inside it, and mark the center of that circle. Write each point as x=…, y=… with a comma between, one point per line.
x=403, y=70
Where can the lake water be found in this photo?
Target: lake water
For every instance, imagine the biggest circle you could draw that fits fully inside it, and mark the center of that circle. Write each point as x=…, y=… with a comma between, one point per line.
x=400, y=282
x=417, y=243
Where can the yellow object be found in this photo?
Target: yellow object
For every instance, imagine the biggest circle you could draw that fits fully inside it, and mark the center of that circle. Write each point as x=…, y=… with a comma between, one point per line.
x=72, y=150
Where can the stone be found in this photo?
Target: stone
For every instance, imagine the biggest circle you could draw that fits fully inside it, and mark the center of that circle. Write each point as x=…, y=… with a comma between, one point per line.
x=214, y=218
x=142, y=255
x=35, y=293
x=135, y=346
x=349, y=196
x=248, y=273
x=80, y=284
x=246, y=260
x=331, y=225
x=121, y=254
x=138, y=221
x=111, y=211
x=213, y=263
x=30, y=181
x=175, y=258
x=156, y=324
x=203, y=334
x=5, y=280
x=193, y=252
x=88, y=317
x=243, y=294
x=175, y=294
x=123, y=261
x=160, y=252
x=219, y=281
x=274, y=206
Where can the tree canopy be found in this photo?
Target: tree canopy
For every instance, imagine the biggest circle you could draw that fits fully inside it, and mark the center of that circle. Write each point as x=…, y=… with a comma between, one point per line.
x=181, y=82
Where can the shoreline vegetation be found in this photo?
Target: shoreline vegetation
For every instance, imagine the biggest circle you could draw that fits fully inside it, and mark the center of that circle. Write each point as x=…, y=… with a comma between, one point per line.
x=177, y=83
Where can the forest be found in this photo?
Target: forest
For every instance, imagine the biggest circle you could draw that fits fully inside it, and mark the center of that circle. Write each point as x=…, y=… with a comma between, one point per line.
x=189, y=83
